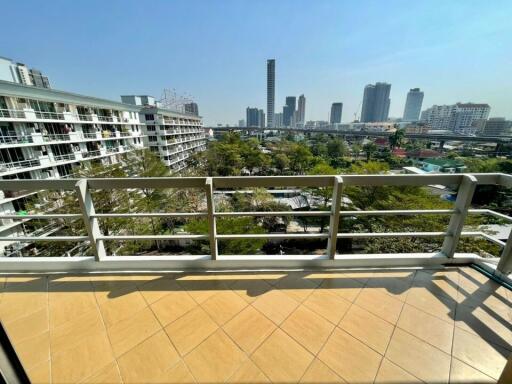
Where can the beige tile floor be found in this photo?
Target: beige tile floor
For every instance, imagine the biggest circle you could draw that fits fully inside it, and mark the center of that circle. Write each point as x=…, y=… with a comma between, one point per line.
x=435, y=326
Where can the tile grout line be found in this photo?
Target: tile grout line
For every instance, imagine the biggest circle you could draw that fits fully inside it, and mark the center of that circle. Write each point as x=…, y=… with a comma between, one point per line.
x=453, y=331
x=392, y=334
x=106, y=331
x=216, y=330
x=278, y=326
x=162, y=328
x=49, y=328
x=333, y=329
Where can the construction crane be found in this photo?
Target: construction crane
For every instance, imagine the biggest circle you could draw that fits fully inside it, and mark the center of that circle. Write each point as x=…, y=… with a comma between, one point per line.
x=174, y=101
x=357, y=111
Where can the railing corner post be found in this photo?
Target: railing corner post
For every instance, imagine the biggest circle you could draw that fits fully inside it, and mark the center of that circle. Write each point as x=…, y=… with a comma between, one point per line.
x=337, y=193
x=465, y=194
x=90, y=222
x=212, y=226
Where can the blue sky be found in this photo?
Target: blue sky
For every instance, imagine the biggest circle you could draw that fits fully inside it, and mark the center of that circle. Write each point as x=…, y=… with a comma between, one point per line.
x=216, y=51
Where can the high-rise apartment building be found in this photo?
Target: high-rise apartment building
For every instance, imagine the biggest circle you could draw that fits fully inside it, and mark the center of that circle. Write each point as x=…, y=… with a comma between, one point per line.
x=301, y=111
x=458, y=118
x=191, y=109
x=289, y=110
x=46, y=134
x=173, y=135
x=336, y=112
x=241, y=123
x=376, y=102
x=252, y=117
x=278, y=120
x=271, y=91
x=261, y=118
x=20, y=73
x=438, y=117
x=497, y=126
x=413, y=104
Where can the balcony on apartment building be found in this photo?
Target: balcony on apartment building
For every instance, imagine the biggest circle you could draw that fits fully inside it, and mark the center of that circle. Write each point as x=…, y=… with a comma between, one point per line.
x=36, y=138
x=327, y=317
x=59, y=116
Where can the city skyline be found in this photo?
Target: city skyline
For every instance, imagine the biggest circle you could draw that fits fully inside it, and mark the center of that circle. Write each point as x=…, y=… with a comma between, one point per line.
x=224, y=72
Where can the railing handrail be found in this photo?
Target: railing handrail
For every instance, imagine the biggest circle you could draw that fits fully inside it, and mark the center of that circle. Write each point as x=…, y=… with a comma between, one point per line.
x=83, y=187
x=262, y=181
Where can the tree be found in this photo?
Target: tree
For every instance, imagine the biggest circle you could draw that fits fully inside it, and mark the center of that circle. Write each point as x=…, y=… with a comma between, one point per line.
x=281, y=162
x=396, y=138
x=301, y=158
x=224, y=159
x=370, y=149
x=323, y=194
x=144, y=163
x=231, y=225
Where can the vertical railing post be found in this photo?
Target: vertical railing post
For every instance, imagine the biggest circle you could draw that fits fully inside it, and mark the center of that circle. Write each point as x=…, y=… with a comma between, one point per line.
x=337, y=192
x=91, y=223
x=464, y=197
x=212, y=226
x=505, y=263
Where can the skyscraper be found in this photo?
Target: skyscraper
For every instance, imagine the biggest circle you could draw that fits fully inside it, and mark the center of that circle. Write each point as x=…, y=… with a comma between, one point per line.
x=271, y=91
x=289, y=110
x=20, y=73
x=376, y=102
x=413, y=105
x=192, y=109
x=301, y=111
x=261, y=118
x=252, y=117
x=336, y=111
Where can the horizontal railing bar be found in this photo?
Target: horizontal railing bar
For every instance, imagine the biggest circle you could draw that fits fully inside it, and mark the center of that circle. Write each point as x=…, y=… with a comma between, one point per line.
x=486, y=236
x=273, y=181
x=49, y=216
x=153, y=237
x=146, y=214
x=391, y=234
x=44, y=238
x=275, y=213
x=253, y=181
x=274, y=236
x=400, y=212
x=146, y=182
x=489, y=212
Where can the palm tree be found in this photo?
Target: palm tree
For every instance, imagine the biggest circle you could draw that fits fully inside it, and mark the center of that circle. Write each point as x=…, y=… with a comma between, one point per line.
x=370, y=149
x=395, y=140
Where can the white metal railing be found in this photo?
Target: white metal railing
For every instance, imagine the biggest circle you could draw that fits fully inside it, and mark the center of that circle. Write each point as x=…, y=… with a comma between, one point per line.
x=82, y=187
x=105, y=118
x=82, y=117
x=49, y=115
x=67, y=156
x=19, y=164
x=56, y=137
x=12, y=114
x=91, y=154
x=13, y=139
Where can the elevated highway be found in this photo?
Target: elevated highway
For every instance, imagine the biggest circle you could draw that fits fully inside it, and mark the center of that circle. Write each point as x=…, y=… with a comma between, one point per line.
x=419, y=136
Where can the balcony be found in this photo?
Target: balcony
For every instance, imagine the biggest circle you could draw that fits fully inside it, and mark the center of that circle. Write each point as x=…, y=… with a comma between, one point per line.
x=434, y=317
x=12, y=114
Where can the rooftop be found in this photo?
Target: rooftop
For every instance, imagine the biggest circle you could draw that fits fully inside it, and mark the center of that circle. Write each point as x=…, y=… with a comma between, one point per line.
x=383, y=326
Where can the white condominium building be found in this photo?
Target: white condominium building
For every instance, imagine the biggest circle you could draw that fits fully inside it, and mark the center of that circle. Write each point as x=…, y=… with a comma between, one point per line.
x=458, y=118
x=45, y=134
x=173, y=135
